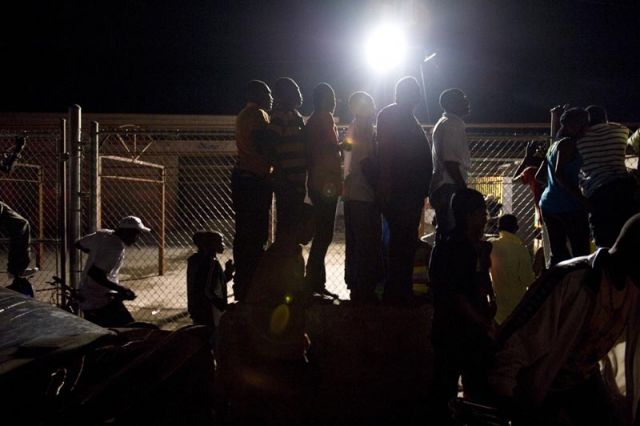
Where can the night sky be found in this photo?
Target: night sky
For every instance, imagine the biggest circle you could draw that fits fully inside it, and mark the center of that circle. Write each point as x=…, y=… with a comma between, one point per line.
x=514, y=58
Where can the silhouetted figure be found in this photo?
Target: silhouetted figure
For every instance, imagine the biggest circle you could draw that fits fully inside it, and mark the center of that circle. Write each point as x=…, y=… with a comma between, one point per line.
x=451, y=157
x=464, y=303
x=277, y=296
x=362, y=219
x=525, y=174
x=563, y=206
x=100, y=291
x=251, y=190
x=570, y=318
x=207, y=281
x=324, y=184
x=511, y=269
x=405, y=177
x=287, y=151
x=605, y=182
x=17, y=229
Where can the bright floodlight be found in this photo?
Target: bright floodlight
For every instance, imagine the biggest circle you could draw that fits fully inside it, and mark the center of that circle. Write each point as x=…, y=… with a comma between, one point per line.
x=386, y=47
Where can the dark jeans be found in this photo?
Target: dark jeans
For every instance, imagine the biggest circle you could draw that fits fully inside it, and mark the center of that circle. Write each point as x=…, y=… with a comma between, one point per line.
x=251, y=196
x=289, y=207
x=571, y=226
x=612, y=205
x=17, y=229
x=324, y=220
x=363, y=238
x=452, y=362
x=403, y=217
x=440, y=200
x=115, y=314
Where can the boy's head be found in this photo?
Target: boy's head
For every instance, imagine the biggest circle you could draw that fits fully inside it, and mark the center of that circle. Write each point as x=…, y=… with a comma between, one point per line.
x=469, y=211
x=209, y=241
x=286, y=93
x=508, y=222
x=455, y=101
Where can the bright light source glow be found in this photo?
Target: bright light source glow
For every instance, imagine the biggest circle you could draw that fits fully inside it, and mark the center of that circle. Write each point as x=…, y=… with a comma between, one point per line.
x=386, y=47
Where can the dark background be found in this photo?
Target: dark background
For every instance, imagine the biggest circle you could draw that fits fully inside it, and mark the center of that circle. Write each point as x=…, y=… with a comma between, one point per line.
x=514, y=58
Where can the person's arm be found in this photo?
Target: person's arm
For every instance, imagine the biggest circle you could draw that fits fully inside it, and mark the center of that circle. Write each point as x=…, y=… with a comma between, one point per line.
x=453, y=169
x=541, y=173
x=385, y=159
x=528, y=159
x=556, y=113
x=100, y=277
x=566, y=154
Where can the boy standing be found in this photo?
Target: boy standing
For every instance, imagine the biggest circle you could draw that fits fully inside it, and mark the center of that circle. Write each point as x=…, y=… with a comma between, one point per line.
x=206, y=280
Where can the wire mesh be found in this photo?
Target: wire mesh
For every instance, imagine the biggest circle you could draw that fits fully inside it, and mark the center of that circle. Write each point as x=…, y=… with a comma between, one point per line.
x=178, y=182
x=30, y=189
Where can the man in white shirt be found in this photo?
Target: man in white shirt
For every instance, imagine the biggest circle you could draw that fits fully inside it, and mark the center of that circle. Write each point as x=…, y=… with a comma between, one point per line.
x=100, y=291
x=451, y=157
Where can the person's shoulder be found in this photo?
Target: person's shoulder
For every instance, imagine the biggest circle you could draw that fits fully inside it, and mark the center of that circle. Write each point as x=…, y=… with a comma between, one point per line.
x=195, y=257
x=387, y=111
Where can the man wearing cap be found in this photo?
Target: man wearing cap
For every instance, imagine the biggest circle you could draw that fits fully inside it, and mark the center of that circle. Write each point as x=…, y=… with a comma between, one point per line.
x=101, y=294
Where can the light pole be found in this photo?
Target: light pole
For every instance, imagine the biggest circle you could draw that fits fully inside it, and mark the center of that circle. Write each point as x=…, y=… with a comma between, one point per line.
x=424, y=83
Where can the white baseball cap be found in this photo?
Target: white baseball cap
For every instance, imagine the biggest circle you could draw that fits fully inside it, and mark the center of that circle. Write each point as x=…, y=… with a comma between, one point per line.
x=132, y=222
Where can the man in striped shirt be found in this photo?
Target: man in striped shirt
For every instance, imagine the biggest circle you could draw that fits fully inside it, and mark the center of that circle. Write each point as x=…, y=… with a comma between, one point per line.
x=287, y=151
x=604, y=177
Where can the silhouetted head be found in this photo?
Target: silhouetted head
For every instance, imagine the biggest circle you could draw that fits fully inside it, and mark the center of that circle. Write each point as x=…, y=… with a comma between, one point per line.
x=597, y=114
x=626, y=249
x=408, y=92
x=209, y=241
x=509, y=223
x=469, y=211
x=286, y=93
x=361, y=104
x=573, y=122
x=259, y=93
x=129, y=229
x=455, y=101
x=324, y=98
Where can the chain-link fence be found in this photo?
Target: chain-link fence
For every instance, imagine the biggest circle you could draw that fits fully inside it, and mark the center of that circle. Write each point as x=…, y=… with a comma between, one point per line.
x=31, y=190
x=178, y=182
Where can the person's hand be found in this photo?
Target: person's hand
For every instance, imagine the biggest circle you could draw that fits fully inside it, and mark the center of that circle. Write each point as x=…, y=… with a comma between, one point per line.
x=559, y=109
x=229, y=269
x=530, y=149
x=126, y=294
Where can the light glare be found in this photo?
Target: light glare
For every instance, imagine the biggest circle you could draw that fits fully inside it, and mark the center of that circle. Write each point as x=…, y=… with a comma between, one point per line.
x=386, y=47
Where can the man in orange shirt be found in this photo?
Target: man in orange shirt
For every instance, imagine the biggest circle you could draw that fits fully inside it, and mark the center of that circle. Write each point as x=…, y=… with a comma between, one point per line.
x=251, y=190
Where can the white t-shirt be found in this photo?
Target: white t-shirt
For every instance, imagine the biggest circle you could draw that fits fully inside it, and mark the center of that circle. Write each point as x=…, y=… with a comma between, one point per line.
x=449, y=144
x=356, y=186
x=106, y=252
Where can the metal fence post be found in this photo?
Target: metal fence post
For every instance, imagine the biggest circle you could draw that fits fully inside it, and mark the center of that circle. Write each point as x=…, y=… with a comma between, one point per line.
x=75, y=196
x=62, y=201
x=162, y=233
x=94, y=178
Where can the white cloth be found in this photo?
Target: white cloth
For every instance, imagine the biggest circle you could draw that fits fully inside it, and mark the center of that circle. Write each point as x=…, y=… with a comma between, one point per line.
x=550, y=341
x=106, y=252
x=356, y=186
x=449, y=144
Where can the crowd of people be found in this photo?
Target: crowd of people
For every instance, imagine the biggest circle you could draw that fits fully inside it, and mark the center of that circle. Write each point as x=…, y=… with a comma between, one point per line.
x=494, y=321
x=523, y=338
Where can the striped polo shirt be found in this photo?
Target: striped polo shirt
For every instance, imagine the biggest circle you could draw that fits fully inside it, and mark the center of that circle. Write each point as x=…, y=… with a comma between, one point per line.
x=602, y=149
x=286, y=137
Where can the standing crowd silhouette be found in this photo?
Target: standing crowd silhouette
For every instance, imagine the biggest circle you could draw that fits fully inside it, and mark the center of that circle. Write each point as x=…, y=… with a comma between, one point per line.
x=528, y=342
